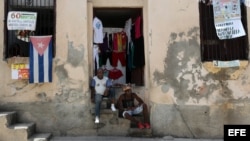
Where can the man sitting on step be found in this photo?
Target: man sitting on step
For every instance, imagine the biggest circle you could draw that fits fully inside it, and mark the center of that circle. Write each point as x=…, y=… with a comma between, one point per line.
x=101, y=86
x=127, y=107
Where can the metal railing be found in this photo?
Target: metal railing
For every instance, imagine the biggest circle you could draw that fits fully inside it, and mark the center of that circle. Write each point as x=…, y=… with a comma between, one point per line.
x=17, y=41
x=212, y=48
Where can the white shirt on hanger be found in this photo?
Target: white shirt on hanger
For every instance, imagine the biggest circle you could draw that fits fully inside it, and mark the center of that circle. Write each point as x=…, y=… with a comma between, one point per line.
x=98, y=30
x=127, y=29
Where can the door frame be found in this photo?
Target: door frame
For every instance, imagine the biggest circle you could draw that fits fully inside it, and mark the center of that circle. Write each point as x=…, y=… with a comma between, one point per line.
x=91, y=4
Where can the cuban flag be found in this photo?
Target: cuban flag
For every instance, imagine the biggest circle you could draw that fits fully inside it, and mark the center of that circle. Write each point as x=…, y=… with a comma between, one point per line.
x=40, y=63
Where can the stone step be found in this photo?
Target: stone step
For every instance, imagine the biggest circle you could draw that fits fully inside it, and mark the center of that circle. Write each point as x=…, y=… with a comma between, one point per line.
x=104, y=111
x=136, y=132
x=27, y=129
x=112, y=127
x=40, y=137
x=10, y=130
x=7, y=118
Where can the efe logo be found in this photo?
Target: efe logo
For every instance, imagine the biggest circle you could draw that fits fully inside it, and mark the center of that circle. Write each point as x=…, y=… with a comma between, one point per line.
x=236, y=132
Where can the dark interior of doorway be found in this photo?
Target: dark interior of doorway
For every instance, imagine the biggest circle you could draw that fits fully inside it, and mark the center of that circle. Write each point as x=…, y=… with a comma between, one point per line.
x=116, y=18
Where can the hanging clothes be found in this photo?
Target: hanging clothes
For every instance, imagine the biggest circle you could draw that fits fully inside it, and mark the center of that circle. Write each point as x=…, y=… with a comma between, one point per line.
x=119, y=48
x=138, y=31
x=98, y=39
x=106, y=52
x=127, y=29
x=116, y=56
x=138, y=41
x=115, y=74
x=98, y=30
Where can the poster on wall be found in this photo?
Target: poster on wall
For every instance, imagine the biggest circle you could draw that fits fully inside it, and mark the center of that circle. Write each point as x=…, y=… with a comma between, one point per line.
x=227, y=19
x=19, y=20
x=20, y=71
x=226, y=64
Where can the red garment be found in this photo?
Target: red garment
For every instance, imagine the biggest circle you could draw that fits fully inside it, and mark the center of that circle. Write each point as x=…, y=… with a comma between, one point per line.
x=115, y=41
x=138, y=32
x=124, y=40
x=119, y=41
x=118, y=56
x=115, y=73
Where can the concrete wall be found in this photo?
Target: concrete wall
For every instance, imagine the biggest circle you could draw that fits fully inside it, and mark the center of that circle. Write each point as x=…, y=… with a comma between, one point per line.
x=186, y=95
x=182, y=93
x=60, y=107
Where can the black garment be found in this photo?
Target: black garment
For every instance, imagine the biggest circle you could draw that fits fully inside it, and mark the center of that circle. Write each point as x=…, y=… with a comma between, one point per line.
x=128, y=64
x=139, y=56
x=106, y=52
x=110, y=41
x=126, y=103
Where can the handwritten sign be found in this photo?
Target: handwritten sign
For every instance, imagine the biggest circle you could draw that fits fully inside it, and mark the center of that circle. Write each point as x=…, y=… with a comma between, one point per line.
x=230, y=29
x=227, y=19
x=18, y=20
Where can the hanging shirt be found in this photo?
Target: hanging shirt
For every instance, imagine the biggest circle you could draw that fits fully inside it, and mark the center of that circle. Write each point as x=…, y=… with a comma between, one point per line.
x=124, y=40
x=127, y=29
x=115, y=74
x=138, y=32
x=115, y=41
x=119, y=41
x=98, y=30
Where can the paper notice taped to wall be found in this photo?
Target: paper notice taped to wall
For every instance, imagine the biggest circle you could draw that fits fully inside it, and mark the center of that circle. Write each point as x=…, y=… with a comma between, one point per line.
x=230, y=29
x=20, y=71
x=226, y=64
x=20, y=20
x=227, y=19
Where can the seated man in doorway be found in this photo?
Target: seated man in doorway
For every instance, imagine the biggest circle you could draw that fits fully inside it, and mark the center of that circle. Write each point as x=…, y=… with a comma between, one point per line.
x=128, y=108
x=101, y=86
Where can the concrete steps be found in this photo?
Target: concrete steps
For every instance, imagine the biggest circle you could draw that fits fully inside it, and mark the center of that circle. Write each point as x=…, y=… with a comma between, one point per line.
x=10, y=130
x=40, y=137
x=113, y=125
x=145, y=133
x=134, y=131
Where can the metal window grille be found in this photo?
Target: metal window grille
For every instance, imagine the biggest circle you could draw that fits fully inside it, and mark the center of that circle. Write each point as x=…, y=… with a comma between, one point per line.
x=17, y=41
x=212, y=48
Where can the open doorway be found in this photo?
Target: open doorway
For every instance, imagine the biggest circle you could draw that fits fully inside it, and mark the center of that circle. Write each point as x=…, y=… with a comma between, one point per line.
x=121, y=52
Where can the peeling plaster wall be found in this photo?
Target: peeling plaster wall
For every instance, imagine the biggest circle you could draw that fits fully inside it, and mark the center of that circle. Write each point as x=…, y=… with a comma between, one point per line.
x=190, y=98
x=182, y=93
x=60, y=107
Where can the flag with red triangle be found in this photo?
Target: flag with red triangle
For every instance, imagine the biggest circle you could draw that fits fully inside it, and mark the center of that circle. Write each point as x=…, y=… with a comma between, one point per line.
x=40, y=64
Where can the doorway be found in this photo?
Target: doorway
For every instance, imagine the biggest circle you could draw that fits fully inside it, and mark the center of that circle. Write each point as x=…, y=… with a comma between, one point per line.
x=121, y=54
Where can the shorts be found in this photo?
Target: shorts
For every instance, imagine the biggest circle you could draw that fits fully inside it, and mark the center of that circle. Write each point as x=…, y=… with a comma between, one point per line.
x=136, y=111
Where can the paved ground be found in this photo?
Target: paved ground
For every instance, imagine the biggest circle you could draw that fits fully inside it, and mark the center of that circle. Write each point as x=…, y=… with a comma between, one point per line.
x=118, y=138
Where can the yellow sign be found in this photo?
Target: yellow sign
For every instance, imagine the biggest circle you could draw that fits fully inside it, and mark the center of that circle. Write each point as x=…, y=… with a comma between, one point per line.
x=20, y=71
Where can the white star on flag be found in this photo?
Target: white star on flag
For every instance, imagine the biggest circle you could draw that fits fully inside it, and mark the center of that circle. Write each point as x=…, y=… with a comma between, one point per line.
x=40, y=45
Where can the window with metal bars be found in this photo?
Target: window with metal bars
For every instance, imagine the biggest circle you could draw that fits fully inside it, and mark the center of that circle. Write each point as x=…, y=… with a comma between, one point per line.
x=212, y=48
x=17, y=41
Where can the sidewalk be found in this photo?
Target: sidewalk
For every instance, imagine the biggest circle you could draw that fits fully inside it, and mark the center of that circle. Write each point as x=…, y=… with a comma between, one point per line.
x=121, y=138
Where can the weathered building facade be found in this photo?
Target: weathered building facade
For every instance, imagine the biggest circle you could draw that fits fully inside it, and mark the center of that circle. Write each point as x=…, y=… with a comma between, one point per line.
x=187, y=97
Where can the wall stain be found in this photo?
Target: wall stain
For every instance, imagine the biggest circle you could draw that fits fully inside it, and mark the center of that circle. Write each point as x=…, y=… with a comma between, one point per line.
x=183, y=70
x=75, y=55
x=70, y=89
x=42, y=96
x=17, y=86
